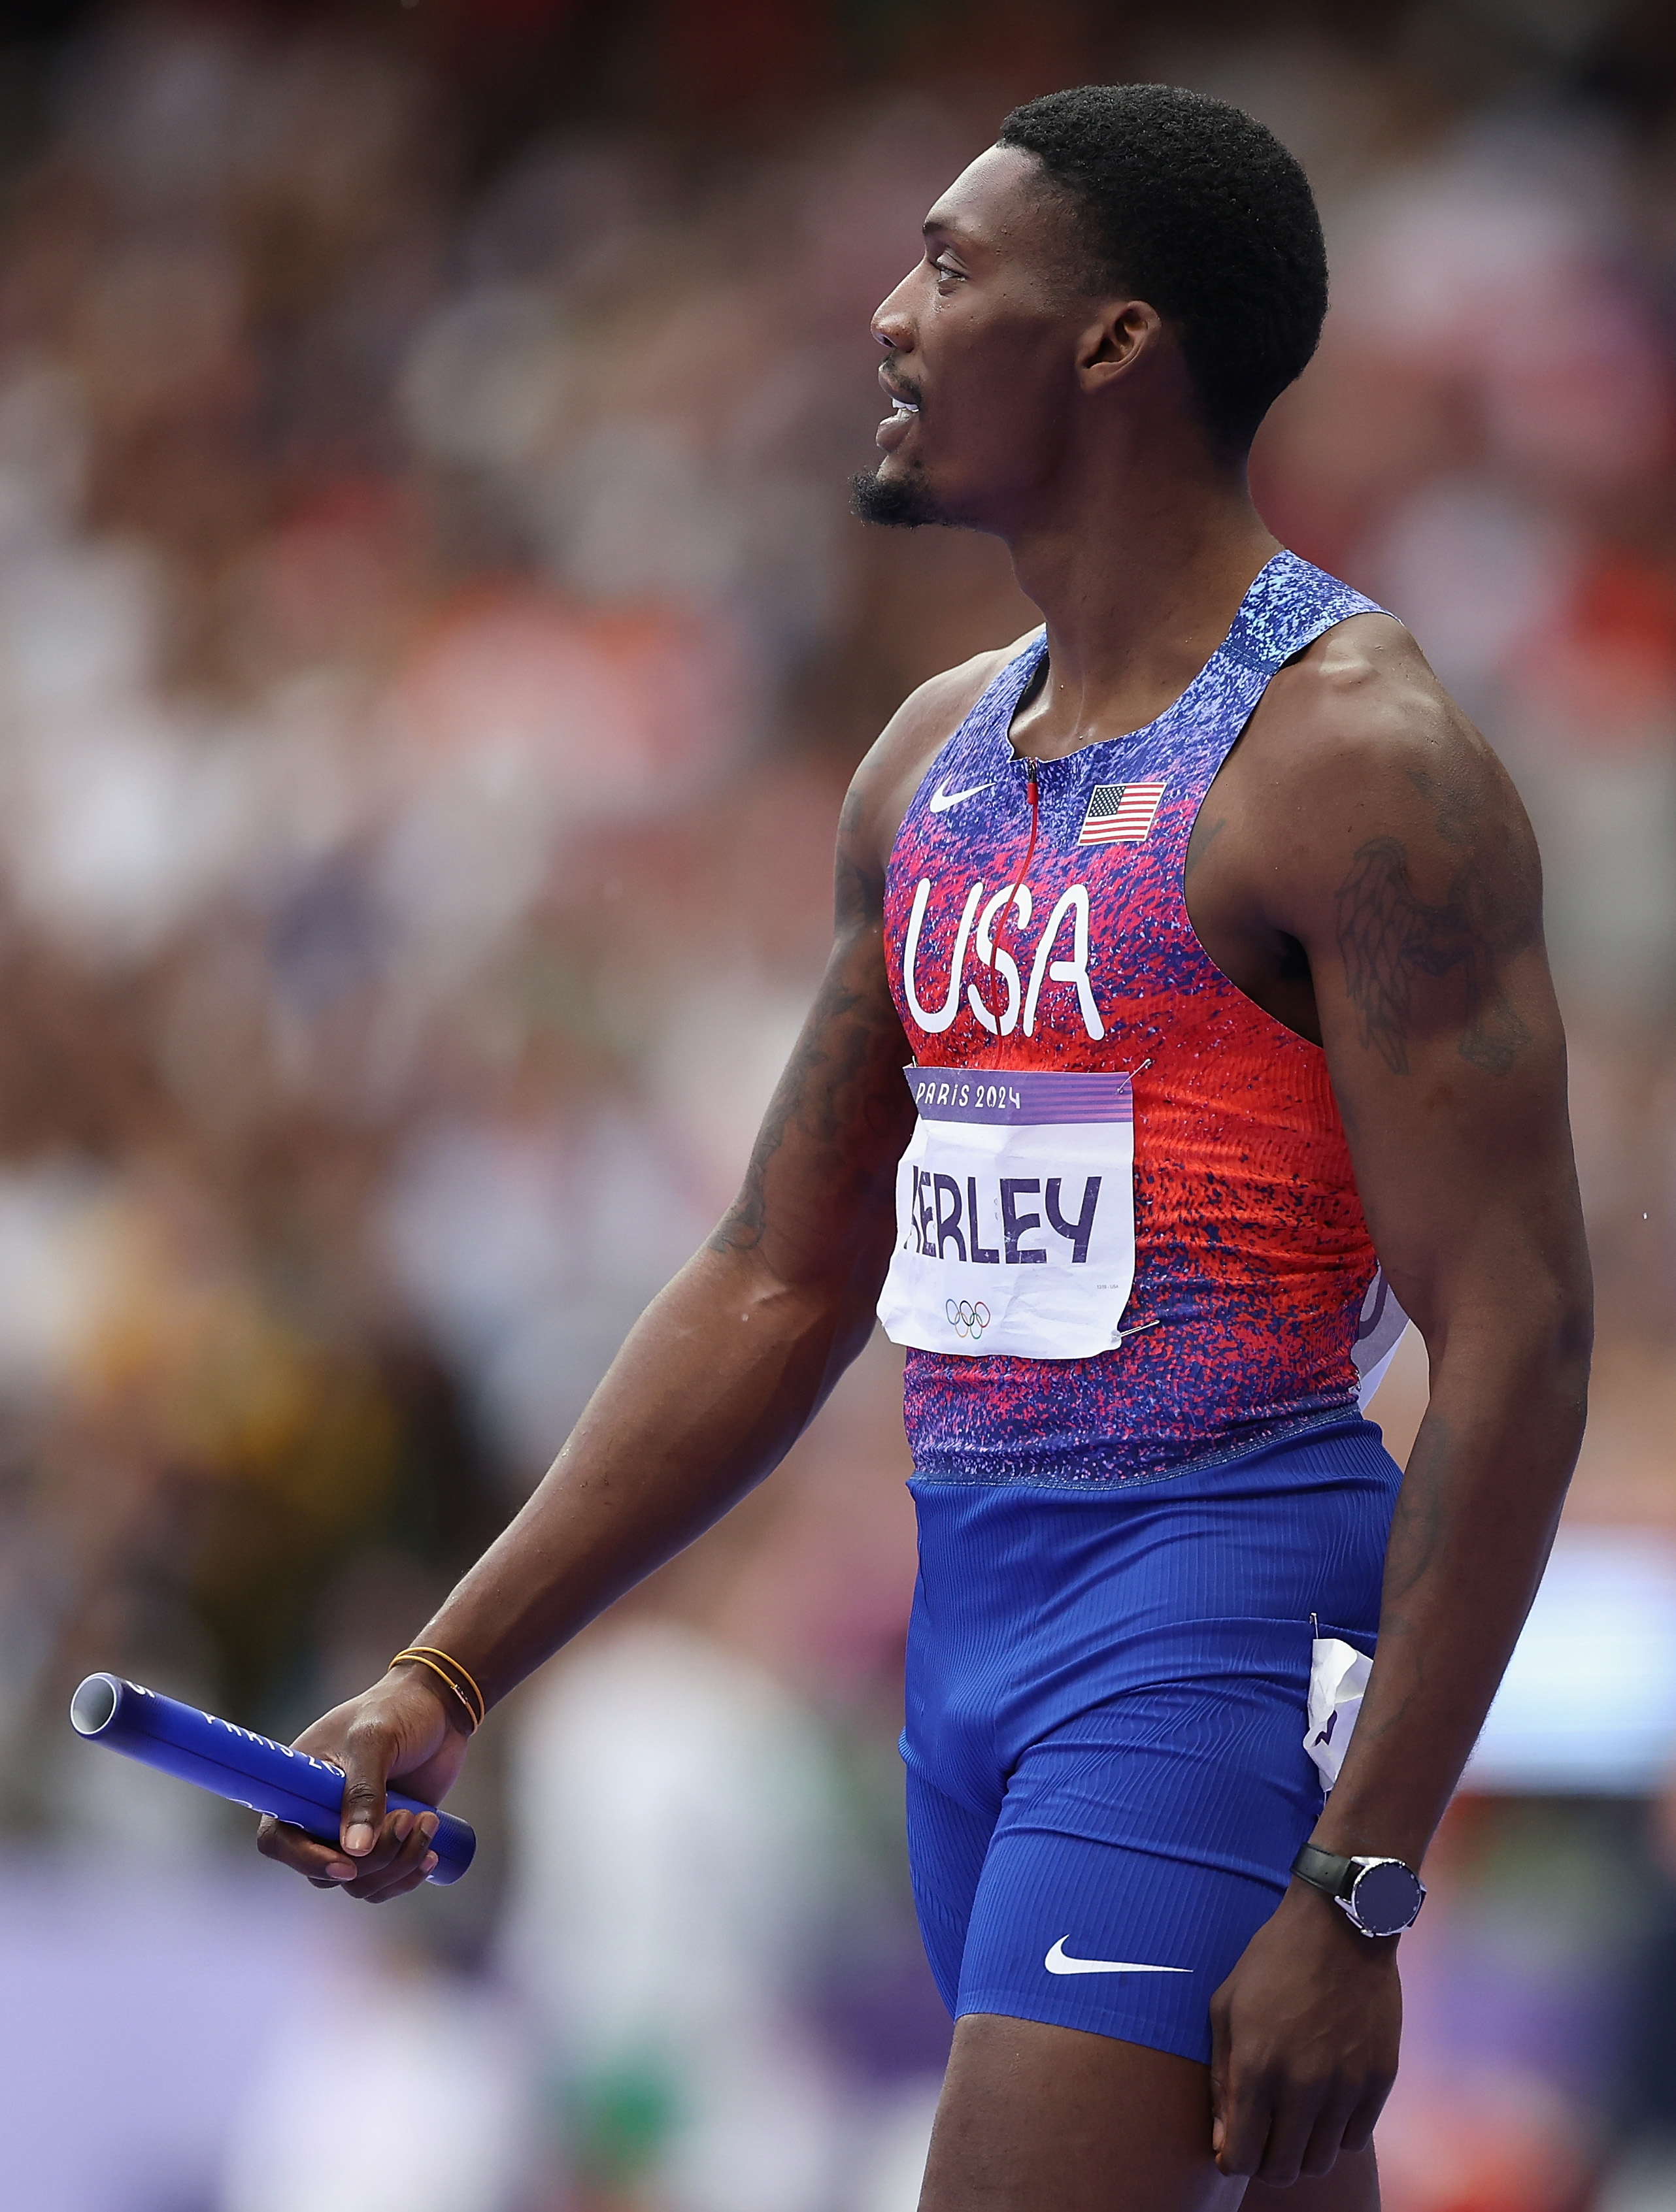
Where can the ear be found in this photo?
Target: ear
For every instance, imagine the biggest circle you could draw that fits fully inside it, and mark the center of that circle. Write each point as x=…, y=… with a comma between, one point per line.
x=1122, y=333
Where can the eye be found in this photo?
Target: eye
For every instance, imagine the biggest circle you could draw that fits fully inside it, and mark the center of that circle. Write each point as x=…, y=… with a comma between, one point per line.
x=947, y=269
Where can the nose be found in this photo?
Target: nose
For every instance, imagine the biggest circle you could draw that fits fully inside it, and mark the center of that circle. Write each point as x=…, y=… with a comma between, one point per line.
x=892, y=325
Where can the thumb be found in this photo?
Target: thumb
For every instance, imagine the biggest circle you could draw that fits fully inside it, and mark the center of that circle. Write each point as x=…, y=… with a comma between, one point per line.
x=367, y=1755
x=1219, y=2070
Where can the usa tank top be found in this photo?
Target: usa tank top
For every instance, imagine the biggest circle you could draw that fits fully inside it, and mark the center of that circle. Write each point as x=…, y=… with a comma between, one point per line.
x=1256, y=1309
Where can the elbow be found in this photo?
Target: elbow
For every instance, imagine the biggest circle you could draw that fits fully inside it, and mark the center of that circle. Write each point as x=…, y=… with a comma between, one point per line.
x=1558, y=1337
x=1574, y=1331
x=1573, y=1320
x=1573, y=1346
x=1531, y=1326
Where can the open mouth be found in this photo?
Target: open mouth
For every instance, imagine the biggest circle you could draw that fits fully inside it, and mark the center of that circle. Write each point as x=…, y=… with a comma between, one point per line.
x=901, y=404
x=896, y=425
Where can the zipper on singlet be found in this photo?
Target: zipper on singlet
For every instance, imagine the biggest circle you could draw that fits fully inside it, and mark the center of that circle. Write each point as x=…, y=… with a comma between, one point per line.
x=1035, y=812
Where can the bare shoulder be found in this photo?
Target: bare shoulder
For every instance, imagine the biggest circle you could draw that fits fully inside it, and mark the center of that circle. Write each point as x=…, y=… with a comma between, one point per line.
x=1357, y=753
x=892, y=771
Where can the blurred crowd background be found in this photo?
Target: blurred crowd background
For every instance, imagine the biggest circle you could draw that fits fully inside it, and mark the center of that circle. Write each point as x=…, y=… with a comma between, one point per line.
x=433, y=646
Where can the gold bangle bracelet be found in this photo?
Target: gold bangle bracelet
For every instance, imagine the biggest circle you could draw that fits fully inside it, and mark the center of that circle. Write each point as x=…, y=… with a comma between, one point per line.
x=415, y=1658
x=420, y=1650
x=418, y=1659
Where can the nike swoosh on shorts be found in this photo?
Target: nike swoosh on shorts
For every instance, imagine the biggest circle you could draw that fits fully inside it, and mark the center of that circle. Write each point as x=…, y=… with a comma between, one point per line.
x=942, y=798
x=1058, y=1963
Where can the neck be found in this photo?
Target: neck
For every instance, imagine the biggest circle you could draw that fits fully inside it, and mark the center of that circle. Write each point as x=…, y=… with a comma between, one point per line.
x=1139, y=571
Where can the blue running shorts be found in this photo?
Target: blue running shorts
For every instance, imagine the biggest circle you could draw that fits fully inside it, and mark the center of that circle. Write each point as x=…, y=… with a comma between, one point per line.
x=1105, y=1704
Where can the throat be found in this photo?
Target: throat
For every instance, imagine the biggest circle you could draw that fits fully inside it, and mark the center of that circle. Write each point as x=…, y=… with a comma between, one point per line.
x=1123, y=647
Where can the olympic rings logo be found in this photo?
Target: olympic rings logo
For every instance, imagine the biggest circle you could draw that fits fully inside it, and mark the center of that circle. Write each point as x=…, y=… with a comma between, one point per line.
x=966, y=1319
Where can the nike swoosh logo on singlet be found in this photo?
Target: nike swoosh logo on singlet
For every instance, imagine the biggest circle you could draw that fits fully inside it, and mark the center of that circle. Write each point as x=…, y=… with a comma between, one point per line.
x=1058, y=1963
x=942, y=798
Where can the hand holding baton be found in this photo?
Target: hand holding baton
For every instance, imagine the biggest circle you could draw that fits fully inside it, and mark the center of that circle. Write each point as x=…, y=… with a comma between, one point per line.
x=251, y=1770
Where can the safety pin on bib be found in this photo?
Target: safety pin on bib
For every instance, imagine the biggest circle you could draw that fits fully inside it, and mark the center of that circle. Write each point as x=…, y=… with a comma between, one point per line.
x=1124, y=1334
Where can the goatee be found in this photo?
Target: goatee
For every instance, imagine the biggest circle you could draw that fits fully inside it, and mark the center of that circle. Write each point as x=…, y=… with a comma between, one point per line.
x=894, y=502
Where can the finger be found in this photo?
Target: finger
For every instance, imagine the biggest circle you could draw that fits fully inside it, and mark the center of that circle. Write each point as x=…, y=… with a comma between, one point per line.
x=411, y=1879
x=401, y=1842
x=1291, y=2126
x=1326, y=2138
x=323, y=1863
x=334, y=1871
x=367, y=1751
x=374, y=1869
x=1359, y=2128
x=1247, y=2113
x=1219, y=2095
x=1220, y=2051
x=408, y=1870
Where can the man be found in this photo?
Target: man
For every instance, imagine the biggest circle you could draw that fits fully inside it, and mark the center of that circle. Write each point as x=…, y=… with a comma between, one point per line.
x=1213, y=933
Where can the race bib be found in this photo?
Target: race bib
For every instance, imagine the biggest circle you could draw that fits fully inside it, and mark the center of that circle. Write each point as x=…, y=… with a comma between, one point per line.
x=1338, y=1677
x=1014, y=1215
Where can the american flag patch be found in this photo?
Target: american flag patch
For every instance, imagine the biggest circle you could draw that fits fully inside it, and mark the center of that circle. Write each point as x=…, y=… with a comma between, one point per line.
x=1120, y=813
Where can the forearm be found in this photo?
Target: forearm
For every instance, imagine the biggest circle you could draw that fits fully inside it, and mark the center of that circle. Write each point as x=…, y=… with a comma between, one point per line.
x=716, y=1381
x=1474, y=1521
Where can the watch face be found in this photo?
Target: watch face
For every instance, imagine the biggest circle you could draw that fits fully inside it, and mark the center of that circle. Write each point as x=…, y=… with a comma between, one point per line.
x=1385, y=1898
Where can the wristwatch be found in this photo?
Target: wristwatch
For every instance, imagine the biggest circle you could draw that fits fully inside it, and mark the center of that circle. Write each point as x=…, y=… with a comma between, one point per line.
x=1381, y=1897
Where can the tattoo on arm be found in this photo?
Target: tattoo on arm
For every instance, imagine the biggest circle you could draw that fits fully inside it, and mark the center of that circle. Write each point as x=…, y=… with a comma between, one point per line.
x=837, y=1101
x=841, y=1110
x=806, y=1098
x=858, y=889
x=1390, y=940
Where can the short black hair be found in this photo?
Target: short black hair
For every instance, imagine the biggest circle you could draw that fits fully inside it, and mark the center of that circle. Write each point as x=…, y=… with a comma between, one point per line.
x=1199, y=209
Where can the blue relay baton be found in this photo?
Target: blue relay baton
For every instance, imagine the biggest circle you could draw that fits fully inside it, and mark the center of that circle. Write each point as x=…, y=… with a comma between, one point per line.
x=251, y=1770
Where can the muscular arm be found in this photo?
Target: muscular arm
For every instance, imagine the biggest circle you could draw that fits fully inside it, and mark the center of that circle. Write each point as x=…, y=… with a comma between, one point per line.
x=718, y=1379
x=1397, y=857
x=1419, y=907
x=732, y=1360
x=1445, y=1051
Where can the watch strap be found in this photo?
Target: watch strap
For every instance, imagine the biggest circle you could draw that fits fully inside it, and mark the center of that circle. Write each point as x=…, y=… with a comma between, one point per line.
x=1325, y=1870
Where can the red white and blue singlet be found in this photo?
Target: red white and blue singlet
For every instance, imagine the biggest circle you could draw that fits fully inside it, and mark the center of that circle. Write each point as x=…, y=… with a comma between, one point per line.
x=1127, y=1554
x=1255, y=1298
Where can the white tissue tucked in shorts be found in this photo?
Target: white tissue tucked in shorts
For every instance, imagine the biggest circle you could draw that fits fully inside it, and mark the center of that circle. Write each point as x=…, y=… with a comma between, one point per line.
x=1337, y=1676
